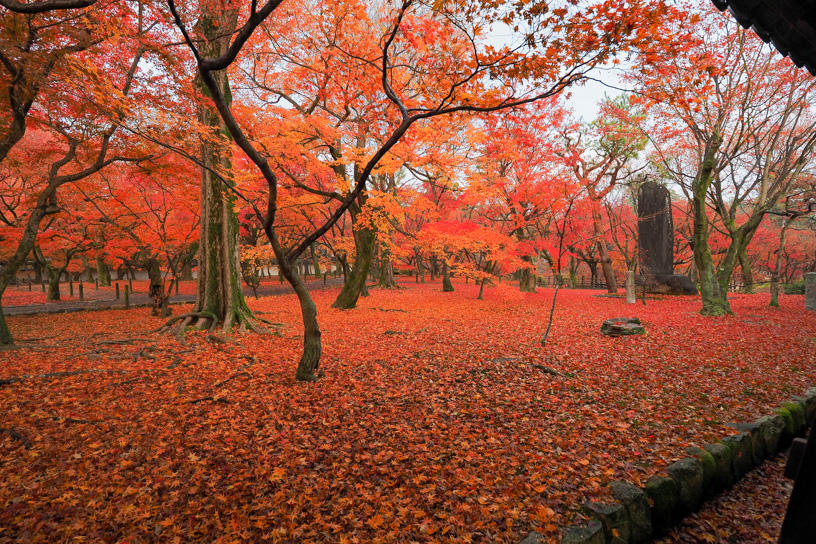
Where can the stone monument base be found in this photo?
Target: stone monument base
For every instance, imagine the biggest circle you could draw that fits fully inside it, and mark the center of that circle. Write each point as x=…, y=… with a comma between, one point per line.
x=666, y=284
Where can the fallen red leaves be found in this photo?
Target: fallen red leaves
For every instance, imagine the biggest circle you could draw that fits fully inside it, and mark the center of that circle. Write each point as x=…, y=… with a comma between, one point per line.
x=437, y=421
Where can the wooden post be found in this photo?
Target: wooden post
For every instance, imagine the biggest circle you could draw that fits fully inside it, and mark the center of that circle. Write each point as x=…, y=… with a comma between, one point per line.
x=81, y=292
x=117, y=290
x=325, y=275
x=43, y=287
x=70, y=286
x=127, y=297
x=97, y=284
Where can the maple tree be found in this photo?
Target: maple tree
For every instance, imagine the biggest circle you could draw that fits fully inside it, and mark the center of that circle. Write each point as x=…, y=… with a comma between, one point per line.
x=566, y=44
x=734, y=126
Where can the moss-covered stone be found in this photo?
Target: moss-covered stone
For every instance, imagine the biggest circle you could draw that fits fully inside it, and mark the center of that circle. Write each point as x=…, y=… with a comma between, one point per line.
x=789, y=430
x=797, y=412
x=709, y=469
x=809, y=404
x=724, y=466
x=637, y=508
x=771, y=427
x=615, y=521
x=592, y=533
x=688, y=473
x=757, y=443
x=742, y=455
x=665, y=499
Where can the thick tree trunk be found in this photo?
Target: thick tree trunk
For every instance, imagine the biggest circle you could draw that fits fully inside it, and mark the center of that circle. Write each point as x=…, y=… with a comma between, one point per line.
x=447, y=286
x=527, y=283
x=103, y=272
x=38, y=277
x=387, y=279
x=53, y=293
x=606, y=260
x=218, y=290
x=5, y=334
x=355, y=284
x=715, y=299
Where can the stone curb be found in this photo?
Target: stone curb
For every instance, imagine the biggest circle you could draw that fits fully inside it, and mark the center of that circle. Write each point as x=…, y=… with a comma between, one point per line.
x=638, y=515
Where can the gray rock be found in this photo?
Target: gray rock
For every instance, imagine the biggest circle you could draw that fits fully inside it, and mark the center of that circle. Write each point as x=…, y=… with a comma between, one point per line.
x=637, y=508
x=614, y=519
x=771, y=427
x=809, y=404
x=758, y=444
x=534, y=538
x=797, y=411
x=709, y=470
x=688, y=473
x=724, y=466
x=591, y=534
x=622, y=326
x=742, y=455
x=665, y=499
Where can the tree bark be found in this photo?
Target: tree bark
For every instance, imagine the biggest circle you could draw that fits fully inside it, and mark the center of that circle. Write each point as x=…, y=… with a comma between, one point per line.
x=103, y=272
x=218, y=289
x=355, y=284
x=778, y=264
x=747, y=273
x=714, y=297
x=606, y=260
x=447, y=286
x=527, y=283
x=387, y=279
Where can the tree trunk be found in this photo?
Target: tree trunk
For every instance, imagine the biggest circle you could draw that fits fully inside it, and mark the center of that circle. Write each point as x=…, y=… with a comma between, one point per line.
x=315, y=262
x=87, y=269
x=103, y=272
x=481, y=289
x=156, y=288
x=355, y=284
x=606, y=260
x=447, y=286
x=527, y=283
x=778, y=264
x=387, y=279
x=53, y=293
x=218, y=289
x=747, y=273
x=38, y=277
x=715, y=299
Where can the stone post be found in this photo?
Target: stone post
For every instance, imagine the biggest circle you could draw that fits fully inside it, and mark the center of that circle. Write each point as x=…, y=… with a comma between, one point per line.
x=630, y=287
x=810, y=291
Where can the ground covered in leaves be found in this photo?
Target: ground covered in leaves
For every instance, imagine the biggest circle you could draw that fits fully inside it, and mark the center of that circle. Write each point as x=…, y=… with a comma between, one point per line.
x=440, y=419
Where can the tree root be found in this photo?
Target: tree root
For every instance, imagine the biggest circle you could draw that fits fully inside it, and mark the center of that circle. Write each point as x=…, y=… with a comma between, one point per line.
x=390, y=310
x=12, y=432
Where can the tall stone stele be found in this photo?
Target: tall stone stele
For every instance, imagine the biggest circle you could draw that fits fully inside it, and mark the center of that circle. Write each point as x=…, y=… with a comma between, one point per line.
x=656, y=243
x=810, y=291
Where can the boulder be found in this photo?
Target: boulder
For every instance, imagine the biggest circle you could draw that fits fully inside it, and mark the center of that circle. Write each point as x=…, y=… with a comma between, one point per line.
x=667, y=284
x=688, y=474
x=535, y=538
x=742, y=454
x=797, y=411
x=591, y=534
x=709, y=470
x=771, y=427
x=759, y=450
x=637, y=508
x=665, y=499
x=615, y=521
x=622, y=326
x=724, y=466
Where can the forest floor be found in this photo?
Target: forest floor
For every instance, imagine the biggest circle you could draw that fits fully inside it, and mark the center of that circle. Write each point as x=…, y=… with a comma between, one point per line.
x=441, y=417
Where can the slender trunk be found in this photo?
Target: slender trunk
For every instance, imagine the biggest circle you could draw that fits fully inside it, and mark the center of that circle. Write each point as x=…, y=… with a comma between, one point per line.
x=447, y=286
x=747, y=273
x=156, y=289
x=481, y=289
x=315, y=262
x=355, y=284
x=606, y=260
x=778, y=264
x=38, y=277
x=714, y=297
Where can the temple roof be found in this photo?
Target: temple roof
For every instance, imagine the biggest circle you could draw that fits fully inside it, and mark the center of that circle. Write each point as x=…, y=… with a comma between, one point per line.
x=790, y=25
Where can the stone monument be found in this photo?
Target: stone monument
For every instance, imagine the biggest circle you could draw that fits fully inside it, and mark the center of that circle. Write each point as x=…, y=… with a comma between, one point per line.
x=656, y=243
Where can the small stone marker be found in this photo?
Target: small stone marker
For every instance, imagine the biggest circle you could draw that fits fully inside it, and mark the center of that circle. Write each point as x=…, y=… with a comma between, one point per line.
x=630, y=287
x=622, y=326
x=810, y=291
